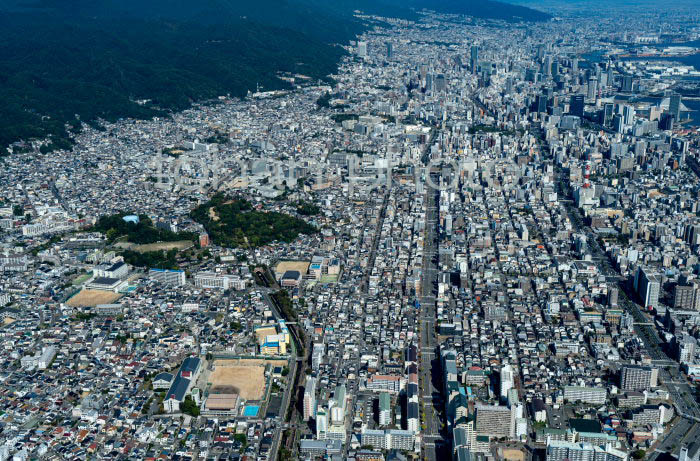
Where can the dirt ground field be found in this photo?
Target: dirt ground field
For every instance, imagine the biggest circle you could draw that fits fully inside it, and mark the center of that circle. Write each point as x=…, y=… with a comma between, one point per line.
x=91, y=298
x=245, y=380
x=163, y=246
x=284, y=266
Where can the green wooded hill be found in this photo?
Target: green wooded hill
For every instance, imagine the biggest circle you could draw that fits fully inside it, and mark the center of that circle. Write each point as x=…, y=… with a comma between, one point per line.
x=67, y=61
x=233, y=222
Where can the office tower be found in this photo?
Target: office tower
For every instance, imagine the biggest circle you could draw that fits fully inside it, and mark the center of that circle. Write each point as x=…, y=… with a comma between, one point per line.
x=618, y=124
x=540, y=51
x=509, y=85
x=628, y=114
x=592, y=88
x=611, y=76
x=627, y=83
x=531, y=75
x=507, y=381
x=362, y=49
x=576, y=105
x=440, y=83
x=547, y=66
x=636, y=378
x=612, y=297
x=389, y=50
x=648, y=286
x=574, y=66
x=674, y=106
x=666, y=122
x=691, y=235
x=608, y=112
x=309, y=398
x=541, y=103
x=555, y=68
x=474, y=60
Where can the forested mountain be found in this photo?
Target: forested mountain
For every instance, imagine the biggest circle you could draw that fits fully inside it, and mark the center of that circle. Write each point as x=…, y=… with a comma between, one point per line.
x=67, y=60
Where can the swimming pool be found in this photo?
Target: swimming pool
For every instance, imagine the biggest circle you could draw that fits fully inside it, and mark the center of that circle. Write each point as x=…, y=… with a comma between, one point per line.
x=251, y=411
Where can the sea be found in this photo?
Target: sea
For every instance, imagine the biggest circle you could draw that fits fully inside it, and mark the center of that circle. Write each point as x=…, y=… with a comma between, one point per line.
x=692, y=60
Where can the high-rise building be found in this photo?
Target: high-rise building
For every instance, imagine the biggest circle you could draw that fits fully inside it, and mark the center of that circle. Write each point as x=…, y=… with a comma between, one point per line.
x=628, y=114
x=592, y=88
x=474, y=60
x=608, y=112
x=495, y=421
x=674, y=105
x=684, y=347
x=321, y=423
x=627, y=83
x=309, y=398
x=648, y=287
x=636, y=378
x=684, y=297
x=618, y=124
x=509, y=85
x=540, y=51
x=576, y=105
x=547, y=66
x=666, y=122
x=440, y=83
x=361, y=49
x=389, y=50
x=507, y=381
x=384, y=409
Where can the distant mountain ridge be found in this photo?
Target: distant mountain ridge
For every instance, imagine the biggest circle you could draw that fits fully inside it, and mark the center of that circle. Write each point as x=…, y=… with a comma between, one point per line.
x=66, y=61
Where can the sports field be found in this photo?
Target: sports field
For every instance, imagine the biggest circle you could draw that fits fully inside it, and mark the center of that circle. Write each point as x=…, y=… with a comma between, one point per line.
x=91, y=298
x=245, y=380
x=284, y=266
x=163, y=246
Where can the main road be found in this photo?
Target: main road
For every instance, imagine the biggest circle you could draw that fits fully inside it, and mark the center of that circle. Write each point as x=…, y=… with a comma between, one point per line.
x=430, y=396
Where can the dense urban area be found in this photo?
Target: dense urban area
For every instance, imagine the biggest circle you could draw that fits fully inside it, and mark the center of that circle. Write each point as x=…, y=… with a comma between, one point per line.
x=477, y=240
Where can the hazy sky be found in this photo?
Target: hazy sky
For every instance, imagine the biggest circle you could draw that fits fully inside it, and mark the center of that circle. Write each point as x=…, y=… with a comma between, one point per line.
x=584, y=6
